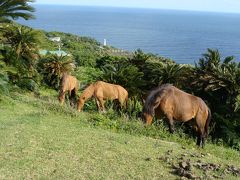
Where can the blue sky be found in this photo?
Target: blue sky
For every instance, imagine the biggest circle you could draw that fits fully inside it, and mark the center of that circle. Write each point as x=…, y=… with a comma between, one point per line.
x=196, y=5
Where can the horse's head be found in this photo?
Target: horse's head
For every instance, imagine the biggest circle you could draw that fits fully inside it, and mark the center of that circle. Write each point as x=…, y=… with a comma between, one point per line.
x=148, y=113
x=147, y=118
x=81, y=102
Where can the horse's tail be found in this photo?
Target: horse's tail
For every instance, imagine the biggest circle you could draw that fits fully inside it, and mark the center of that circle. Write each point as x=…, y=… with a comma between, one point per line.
x=207, y=122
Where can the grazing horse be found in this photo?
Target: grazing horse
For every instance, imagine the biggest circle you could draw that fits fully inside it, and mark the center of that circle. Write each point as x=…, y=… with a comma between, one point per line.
x=179, y=106
x=103, y=91
x=69, y=84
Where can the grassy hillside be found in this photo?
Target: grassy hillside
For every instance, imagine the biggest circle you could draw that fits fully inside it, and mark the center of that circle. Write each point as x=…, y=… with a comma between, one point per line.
x=40, y=139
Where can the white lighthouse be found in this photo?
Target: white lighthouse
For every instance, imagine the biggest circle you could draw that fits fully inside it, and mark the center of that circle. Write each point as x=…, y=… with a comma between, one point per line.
x=104, y=42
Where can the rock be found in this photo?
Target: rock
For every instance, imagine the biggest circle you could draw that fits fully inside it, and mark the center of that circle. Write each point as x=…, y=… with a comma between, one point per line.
x=168, y=160
x=203, y=155
x=209, y=177
x=185, y=165
x=193, y=155
x=184, y=178
x=217, y=177
x=190, y=175
x=169, y=152
x=161, y=158
x=232, y=169
x=179, y=171
x=175, y=166
x=148, y=159
x=226, y=171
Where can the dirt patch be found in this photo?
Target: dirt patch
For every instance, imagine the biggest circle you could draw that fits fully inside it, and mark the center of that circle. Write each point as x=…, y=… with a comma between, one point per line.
x=187, y=166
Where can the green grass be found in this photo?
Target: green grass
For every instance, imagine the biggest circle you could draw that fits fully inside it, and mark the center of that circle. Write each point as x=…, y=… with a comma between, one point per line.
x=41, y=140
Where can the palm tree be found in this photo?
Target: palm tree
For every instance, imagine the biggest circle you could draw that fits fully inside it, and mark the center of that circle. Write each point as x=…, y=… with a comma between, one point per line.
x=14, y=9
x=139, y=59
x=24, y=43
x=158, y=73
x=218, y=79
x=209, y=60
x=124, y=74
x=53, y=67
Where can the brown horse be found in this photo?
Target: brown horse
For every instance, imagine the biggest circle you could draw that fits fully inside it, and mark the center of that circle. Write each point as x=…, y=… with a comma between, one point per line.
x=69, y=84
x=180, y=106
x=103, y=91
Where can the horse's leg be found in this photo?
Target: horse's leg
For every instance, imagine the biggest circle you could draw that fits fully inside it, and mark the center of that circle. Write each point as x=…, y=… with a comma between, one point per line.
x=98, y=105
x=203, y=140
x=124, y=103
x=120, y=104
x=67, y=96
x=71, y=98
x=62, y=98
x=199, y=139
x=170, y=123
x=102, y=104
x=201, y=136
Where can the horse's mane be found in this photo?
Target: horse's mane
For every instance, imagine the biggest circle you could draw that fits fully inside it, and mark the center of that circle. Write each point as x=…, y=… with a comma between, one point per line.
x=154, y=97
x=88, y=92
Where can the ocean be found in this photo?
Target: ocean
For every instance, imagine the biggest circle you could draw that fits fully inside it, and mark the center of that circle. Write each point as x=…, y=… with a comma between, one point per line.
x=182, y=36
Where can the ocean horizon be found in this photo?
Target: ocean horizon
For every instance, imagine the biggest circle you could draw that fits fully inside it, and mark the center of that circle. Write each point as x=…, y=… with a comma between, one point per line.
x=182, y=36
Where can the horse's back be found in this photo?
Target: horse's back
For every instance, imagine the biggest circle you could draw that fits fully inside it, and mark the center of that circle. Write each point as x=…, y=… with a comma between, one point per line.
x=105, y=90
x=69, y=82
x=111, y=91
x=185, y=98
x=182, y=105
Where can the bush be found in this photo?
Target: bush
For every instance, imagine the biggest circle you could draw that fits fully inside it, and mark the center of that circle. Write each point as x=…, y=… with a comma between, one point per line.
x=87, y=75
x=28, y=84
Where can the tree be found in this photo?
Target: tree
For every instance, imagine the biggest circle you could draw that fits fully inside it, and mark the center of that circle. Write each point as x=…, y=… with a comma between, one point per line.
x=53, y=67
x=124, y=74
x=22, y=39
x=122, y=71
x=218, y=78
x=139, y=59
x=14, y=9
x=157, y=73
x=21, y=50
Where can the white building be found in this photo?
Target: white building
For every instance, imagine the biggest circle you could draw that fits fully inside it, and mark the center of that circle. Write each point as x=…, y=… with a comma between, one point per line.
x=55, y=39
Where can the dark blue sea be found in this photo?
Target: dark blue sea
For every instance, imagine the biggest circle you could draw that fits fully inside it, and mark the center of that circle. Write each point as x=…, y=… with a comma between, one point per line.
x=180, y=35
